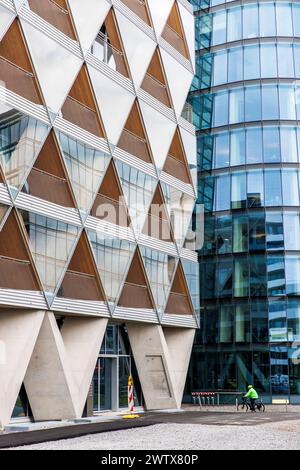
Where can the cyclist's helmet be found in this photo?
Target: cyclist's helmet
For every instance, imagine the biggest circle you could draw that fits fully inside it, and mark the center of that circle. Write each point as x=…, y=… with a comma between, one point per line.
x=250, y=386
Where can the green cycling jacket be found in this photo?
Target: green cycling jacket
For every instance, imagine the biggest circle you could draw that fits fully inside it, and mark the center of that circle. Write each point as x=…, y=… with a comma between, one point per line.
x=252, y=394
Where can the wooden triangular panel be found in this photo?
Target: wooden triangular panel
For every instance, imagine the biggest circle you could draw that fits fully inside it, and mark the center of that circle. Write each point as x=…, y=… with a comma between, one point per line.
x=56, y=13
x=155, y=82
x=179, y=302
x=15, y=66
x=48, y=178
x=136, y=292
x=16, y=270
x=80, y=106
x=176, y=164
x=115, y=40
x=140, y=9
x=157, y=224
x=81, y=281
x=134, y=139
x=174, y=33
x=109, y=204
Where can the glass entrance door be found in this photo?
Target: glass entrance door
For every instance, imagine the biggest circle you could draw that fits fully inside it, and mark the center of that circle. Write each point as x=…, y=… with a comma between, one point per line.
x=102, y=384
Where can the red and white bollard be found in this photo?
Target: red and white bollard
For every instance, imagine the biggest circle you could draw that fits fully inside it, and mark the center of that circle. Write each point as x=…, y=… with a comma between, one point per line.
x=130, y=395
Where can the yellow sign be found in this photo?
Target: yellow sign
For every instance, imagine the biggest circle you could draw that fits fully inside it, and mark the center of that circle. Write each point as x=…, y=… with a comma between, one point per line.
x=130, y=381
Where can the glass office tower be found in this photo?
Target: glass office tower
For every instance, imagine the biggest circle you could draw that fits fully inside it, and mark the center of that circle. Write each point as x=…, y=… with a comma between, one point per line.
x=246, y=106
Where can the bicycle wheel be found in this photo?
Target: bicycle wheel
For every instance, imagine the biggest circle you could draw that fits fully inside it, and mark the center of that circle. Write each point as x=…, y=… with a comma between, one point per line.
x=243, y=407
x=261, y=408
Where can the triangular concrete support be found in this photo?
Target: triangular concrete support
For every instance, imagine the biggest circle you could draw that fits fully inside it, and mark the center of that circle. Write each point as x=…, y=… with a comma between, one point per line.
x=62, y=365
x=18, y=334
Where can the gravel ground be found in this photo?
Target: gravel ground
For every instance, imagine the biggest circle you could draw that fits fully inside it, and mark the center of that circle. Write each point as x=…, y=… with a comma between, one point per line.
x=274, y=436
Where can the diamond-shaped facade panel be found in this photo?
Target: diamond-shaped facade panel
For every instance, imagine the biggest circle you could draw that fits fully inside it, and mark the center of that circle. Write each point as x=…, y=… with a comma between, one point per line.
x=96, y=198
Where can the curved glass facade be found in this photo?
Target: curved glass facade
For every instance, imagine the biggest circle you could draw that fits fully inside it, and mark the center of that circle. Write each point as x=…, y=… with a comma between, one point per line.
x=246, y=106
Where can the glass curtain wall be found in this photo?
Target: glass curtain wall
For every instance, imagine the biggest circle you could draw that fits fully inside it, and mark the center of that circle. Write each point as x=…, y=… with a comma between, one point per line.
x=246, y=105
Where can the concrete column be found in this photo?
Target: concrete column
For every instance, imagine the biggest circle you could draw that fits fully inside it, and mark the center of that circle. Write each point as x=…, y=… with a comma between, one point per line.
x=19, y=330
x=62, y=365
x=160, y=362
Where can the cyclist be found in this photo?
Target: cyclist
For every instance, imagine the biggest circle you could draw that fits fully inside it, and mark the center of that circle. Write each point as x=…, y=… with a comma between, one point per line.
x=253, y=396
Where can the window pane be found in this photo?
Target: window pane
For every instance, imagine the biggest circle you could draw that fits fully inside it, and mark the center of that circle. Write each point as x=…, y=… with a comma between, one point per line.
x=292, y=274
x=284, y=19
x=238, y=196
x=222, y=197
x=291, y=231
x=297, y=58
x=288, y=139
x=251, y=62
x=221, y=109
x=234, y=28
x=276, y=276
x=271, y=145
x=240, y=234
x=241, y=277
x=296, y=18
x=221, y=150
x=257, y=232
x=250, y=21
x=258, y=276
x=285, y=60
x=287, y=103
x=270, y=110
x=237, y=148
x=219, y=28
x=290, y=188
x=267, y=19
x=224, y=235
x=235, y=65
x=254, y=146
x=274, y=232
x=255, y=193
x=268, y=60
x=252, y=104
x=220, y=68
x=273, y=192
x=236, y=106
x=224, y=279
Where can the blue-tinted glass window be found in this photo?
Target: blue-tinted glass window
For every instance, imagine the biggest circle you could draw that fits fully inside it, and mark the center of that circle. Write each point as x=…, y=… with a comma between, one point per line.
x=268, y=60
x=258, y=276
x=297, y=58
x=221, y=150
x=252, y=104
x=237, y=105
x=234, y=27
x=219, y=27
x=257, y=232
x=292, y=274
x=273, y=193
x=237, y=148
x=251, y=62
x=224, y=279
x=267, y=21
x=270, y=105
x=238, y=191
x=254, y=145
x=271, y=144
x=220, y=68
x=221, y=109
x=235, y=64
x=241, y=277
x=291, y=231
x=287, y=102
x=250, y=21
x=284, y=19
x=255, y=195
x=285, y=60
x=290, y=189
x=274, y=231
x=289, y=151
x=276, y=276
x=296, y=18
x=222, y=197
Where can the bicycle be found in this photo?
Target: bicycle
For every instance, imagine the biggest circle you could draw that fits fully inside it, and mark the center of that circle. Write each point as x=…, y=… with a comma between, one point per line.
x=245, y=406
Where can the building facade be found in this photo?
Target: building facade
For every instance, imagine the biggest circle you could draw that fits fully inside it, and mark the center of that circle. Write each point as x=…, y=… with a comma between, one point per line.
x=246, y=109
x=97, y=188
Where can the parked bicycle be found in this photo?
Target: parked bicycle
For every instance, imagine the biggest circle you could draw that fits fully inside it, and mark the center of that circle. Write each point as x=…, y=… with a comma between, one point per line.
x=245, y=406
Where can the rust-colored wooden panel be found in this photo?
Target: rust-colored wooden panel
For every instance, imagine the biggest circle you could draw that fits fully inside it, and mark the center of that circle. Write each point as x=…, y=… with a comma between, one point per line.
x=139, y=8
x=177, y=169
x=12, y=243
x=81, y=90
x=136, y=274
x=135, y=297
x=110, y=211
x=155, y=68
x=134, y=122
x=116, y=42
x=179, y=286
x=55, y=13
x=82, y=261
x=176, y=149
x=178, y=304
x=49, y=159
x=174, y=34
x=50, y=188
x=13, y=49
x=17, y=275
x=81, y=116
x=110, y=186
x=80, y=287
x=154, y=81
